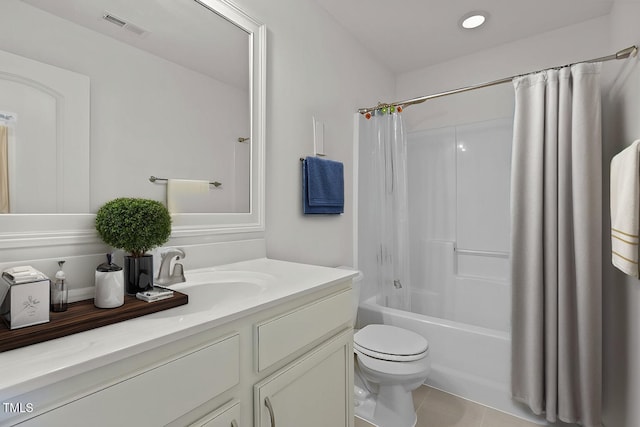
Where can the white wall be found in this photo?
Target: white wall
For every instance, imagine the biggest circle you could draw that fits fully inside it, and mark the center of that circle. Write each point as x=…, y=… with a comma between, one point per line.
x=621, y=293
x=315, y=68
x=586, y=40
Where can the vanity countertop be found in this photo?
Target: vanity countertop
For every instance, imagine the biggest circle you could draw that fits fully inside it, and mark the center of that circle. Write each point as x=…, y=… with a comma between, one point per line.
x=252, y=286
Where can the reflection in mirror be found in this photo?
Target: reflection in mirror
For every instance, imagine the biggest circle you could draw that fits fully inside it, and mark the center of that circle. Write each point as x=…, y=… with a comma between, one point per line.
x=169, y=84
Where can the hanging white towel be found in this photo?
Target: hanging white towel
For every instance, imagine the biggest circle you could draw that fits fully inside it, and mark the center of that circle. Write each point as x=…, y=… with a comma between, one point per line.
x=185, y=195
x=625, y=209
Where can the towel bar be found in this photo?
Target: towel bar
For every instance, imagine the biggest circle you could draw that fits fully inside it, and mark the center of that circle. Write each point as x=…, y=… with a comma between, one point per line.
x=492, y=254
x=317, y=155
x=154, y=179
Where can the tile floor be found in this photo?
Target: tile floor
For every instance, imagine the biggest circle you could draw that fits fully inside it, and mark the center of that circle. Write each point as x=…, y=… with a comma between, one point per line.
x=438, y=409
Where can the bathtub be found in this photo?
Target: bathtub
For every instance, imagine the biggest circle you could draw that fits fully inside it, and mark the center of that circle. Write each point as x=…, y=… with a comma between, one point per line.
x=469, y=361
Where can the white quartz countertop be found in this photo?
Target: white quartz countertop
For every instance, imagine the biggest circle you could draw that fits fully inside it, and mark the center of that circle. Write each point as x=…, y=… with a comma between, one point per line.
x=252, y=286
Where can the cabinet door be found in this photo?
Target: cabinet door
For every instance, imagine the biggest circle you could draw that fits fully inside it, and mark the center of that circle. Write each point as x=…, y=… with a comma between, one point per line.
x=314, y=391
x=227, y=416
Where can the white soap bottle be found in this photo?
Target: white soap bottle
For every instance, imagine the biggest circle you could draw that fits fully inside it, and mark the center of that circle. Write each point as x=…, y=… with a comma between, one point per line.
x=59, y=292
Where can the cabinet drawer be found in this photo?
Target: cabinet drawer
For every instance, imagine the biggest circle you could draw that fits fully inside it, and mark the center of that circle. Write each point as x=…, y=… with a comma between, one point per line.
x=282, y=336
x=156, y=396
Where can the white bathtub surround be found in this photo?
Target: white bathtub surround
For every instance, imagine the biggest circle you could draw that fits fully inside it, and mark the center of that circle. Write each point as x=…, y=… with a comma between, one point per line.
x=459, y=220
x=557, y=244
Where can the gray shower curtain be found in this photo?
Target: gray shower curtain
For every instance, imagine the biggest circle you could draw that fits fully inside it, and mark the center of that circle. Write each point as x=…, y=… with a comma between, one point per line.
x=556, y=244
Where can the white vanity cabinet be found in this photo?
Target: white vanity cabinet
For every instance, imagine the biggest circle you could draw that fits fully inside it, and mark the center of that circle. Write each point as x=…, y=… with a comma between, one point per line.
x=314, y=391
x=295, y=353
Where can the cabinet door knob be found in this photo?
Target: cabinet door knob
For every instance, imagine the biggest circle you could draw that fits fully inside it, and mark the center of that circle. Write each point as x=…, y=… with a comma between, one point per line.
x=234, y=423
x=272, y=416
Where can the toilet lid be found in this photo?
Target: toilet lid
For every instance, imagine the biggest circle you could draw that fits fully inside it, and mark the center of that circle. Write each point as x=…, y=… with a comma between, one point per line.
x=390, y=343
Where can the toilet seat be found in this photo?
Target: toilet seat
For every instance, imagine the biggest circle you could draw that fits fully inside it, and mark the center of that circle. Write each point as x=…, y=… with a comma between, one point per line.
x=390, y=343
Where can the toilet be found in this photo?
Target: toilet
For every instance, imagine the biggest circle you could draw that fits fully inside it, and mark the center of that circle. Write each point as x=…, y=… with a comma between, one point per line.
x=390, y=362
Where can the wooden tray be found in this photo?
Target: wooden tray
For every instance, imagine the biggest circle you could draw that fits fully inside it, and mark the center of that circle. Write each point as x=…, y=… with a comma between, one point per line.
x=82, y=316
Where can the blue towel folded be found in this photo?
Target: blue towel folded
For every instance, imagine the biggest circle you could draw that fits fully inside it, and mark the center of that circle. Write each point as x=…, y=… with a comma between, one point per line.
x=322, y=186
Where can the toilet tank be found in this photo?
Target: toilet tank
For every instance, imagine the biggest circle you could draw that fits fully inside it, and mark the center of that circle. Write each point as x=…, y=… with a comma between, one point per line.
x=357, y=284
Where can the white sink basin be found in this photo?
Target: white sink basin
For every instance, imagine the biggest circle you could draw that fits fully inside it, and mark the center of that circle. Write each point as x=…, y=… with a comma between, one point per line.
x=225, y=276
x=210, y=290
x=205, y=296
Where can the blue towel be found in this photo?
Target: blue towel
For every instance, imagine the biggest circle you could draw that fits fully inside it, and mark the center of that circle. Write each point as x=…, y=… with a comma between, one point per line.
x=322, y=186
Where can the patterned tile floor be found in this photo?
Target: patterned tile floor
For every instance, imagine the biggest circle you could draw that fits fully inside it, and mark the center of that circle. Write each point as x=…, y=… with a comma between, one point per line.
x=438, y=409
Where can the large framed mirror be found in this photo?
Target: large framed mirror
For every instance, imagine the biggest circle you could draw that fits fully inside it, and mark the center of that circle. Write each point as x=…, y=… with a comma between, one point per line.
x=101, y=96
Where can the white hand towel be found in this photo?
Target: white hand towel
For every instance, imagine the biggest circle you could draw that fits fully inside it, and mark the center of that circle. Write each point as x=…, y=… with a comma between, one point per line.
x=625, y=209
x=185, y=195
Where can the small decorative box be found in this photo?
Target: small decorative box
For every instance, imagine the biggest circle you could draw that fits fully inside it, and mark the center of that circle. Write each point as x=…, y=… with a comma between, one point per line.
x=24, y=293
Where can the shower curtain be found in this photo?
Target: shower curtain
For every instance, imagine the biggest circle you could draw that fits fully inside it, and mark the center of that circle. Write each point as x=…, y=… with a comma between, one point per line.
x=556, y=244
x=386, y=153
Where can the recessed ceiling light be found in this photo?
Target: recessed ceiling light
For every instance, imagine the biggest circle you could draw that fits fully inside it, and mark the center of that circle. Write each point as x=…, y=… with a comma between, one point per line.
x=473, y=20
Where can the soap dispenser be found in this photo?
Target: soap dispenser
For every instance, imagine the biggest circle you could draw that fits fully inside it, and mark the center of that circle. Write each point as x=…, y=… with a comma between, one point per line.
x=109, y=291
x=59, y=292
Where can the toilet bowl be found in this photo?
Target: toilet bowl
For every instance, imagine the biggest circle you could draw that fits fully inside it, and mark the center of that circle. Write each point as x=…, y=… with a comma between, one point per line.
x=390, y=363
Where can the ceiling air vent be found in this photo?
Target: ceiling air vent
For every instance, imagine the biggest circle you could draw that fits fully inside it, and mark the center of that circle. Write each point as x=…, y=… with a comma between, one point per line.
x=123, y=24
x=117, y=21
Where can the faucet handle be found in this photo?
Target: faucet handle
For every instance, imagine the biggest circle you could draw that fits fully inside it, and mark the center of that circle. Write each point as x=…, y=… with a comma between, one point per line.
x=170, y=252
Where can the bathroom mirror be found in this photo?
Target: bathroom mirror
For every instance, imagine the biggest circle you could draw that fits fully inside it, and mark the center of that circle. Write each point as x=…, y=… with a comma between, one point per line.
x=175, y=90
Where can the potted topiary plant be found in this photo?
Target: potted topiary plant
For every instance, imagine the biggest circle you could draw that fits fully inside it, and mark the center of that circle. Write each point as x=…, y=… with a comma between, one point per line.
x=135, y=225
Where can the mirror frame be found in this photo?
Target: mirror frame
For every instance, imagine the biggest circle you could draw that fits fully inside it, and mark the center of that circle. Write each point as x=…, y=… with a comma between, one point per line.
x=34, y=230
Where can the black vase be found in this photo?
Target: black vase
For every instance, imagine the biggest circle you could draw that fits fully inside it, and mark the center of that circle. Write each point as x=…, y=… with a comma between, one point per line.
x=138, y=273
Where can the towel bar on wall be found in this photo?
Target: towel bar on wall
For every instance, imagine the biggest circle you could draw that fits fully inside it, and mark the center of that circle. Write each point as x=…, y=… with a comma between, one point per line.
x=317, y=155
x=154, y=179
x=492, y=254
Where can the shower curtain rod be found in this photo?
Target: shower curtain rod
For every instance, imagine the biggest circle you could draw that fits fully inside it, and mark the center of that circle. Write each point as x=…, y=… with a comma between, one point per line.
x=622, y=54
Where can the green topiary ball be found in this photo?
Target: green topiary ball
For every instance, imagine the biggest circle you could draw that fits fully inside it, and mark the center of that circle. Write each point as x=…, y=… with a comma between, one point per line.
x=133, y=224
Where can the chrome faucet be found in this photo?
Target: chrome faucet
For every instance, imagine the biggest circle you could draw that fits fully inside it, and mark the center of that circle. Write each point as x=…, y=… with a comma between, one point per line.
x=165, y=275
